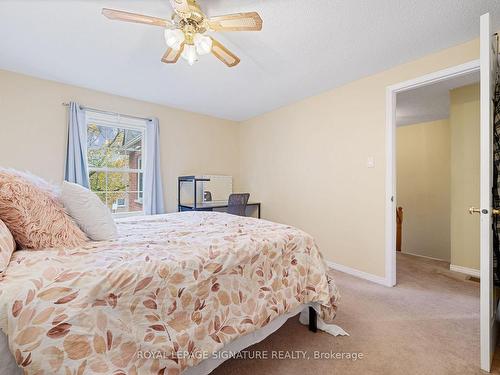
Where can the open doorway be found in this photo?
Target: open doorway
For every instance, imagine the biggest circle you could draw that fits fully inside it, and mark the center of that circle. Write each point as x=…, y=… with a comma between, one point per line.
x=391, y=128
x=437, y=174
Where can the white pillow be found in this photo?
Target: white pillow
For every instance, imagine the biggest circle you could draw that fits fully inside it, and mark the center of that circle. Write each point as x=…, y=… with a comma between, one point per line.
x=88, y=211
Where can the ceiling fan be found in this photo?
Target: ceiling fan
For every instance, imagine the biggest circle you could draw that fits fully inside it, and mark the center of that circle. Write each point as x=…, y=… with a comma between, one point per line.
x=185, y=33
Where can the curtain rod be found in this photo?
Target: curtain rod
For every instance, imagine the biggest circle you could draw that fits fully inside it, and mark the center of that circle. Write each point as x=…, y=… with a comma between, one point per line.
x=109, y=112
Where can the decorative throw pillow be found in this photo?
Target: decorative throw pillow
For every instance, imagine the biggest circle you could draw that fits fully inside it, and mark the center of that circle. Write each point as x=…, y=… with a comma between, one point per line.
x=7, y=246
x=33, y=214
x=91, y=215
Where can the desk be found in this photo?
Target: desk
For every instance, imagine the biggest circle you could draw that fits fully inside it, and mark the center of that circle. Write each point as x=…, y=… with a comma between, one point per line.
x=202, y=206
x=209, y=206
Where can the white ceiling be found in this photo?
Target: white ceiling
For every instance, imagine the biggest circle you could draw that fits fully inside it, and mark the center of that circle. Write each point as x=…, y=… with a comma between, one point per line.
x=429, y=103
x=306, y=47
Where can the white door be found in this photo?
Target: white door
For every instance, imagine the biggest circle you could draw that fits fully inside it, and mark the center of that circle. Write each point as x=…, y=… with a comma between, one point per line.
x=489, y=57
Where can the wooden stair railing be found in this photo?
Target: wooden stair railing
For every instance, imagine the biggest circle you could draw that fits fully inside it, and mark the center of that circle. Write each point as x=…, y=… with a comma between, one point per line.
x=399, y=222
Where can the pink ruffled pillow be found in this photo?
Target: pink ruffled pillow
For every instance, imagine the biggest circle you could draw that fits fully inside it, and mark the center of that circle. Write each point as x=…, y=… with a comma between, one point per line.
x=32, y=212
x=7, y=246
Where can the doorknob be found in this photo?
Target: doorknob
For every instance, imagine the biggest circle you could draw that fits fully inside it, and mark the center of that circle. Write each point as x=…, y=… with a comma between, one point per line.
x=474, y=210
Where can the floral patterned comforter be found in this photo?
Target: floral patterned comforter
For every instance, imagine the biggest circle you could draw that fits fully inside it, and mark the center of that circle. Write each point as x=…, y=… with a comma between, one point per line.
x=169, y=290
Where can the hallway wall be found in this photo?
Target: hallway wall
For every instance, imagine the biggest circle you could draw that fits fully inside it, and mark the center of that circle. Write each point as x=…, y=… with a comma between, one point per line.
x=423, y=187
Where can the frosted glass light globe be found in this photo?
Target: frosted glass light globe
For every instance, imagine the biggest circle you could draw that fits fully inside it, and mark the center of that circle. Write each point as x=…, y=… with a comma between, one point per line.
x=174, y=38
x=203, y=44
x=189, y=54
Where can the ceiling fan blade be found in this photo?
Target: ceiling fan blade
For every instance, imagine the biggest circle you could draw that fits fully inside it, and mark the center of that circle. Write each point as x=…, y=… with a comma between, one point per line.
x=172, y=56
x=236, y=22
x=120, y=15
x=181, y=7
x=223, y=54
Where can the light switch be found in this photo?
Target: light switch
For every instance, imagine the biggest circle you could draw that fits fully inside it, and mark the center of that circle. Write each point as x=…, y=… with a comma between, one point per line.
x=370, y=162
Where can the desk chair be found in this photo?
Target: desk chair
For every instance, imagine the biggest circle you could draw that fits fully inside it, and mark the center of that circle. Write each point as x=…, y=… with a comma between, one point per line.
x=237, y=204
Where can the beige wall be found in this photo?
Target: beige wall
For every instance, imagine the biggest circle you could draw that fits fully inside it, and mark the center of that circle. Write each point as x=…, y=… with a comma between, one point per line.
x=464, y=125
x=307, y=162
x=33, y=131
x=423, y=187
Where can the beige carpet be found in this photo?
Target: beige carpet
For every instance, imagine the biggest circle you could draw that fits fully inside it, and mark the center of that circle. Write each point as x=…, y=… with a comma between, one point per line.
x=428, y=324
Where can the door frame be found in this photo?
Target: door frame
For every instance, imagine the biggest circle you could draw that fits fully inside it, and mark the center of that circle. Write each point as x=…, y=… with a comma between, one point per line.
x=390, y=151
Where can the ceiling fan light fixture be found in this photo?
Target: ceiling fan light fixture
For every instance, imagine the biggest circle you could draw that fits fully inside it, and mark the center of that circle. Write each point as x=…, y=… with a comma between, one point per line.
x=174, y=38
x=189, y=54
x=203, y=44
x=186, y=31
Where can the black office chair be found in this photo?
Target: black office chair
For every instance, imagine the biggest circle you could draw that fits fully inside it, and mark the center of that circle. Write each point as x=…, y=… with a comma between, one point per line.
x=237, y=204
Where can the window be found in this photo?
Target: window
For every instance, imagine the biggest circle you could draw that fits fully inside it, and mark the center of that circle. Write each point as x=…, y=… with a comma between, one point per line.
x=115, y=147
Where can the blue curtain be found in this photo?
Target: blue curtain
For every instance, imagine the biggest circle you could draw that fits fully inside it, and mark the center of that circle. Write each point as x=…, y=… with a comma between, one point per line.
x=76, y=154
x=153, y=188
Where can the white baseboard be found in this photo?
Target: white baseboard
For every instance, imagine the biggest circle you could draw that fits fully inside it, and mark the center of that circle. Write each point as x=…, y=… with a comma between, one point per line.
x=424, y=256
x=361, y=274
x=465, y=270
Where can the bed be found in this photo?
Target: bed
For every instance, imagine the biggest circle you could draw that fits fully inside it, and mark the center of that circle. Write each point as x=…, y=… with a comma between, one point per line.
x=164, y=297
